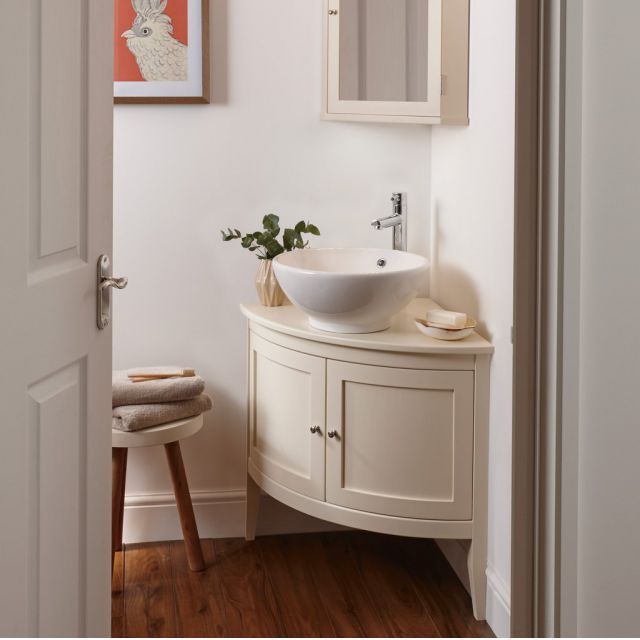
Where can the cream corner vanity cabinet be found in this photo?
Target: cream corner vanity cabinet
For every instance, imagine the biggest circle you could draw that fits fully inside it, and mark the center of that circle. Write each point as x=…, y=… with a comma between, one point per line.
x=384, y=431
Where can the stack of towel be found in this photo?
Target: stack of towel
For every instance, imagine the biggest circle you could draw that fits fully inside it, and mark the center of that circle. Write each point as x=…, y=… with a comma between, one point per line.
x=140, y=405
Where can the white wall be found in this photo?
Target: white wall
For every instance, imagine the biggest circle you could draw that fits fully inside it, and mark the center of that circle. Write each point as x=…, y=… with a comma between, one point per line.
x=183, y=172
x=472, y=201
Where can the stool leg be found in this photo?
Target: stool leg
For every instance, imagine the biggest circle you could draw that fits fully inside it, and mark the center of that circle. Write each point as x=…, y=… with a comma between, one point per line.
x=185, y=508
x=119, y=475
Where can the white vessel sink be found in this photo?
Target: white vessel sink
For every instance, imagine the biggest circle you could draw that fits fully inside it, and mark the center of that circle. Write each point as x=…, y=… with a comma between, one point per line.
x=350, y=290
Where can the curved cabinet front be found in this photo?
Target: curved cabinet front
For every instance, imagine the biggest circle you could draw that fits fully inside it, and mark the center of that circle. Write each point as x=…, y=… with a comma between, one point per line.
x=286, y=403
x=385, y=440
x=403, y=443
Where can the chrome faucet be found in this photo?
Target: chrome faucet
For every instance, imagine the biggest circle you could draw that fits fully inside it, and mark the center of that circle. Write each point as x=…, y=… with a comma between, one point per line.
x=397, y=220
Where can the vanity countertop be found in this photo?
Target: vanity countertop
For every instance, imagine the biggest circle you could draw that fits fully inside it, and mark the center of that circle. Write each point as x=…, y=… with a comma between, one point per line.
x=401, y=336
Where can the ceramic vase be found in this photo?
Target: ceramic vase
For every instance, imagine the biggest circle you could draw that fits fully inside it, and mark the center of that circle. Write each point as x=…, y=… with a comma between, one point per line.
x=269, y=291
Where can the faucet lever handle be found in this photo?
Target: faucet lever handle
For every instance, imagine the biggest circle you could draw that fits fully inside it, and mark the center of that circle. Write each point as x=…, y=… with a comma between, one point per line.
x=396, y=199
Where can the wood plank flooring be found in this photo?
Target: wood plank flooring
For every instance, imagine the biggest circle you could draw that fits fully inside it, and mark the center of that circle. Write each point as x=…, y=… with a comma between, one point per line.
x=345, y=584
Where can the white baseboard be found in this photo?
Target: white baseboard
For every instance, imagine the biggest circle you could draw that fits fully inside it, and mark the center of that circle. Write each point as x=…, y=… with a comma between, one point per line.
x=498, y=604
x=219, y=514
x=498, y=610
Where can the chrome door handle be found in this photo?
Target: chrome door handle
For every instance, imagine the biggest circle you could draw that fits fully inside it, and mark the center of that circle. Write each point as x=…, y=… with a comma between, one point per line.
x=118, y=283
x=333, y=434
x=104, y=282
x=314, y=429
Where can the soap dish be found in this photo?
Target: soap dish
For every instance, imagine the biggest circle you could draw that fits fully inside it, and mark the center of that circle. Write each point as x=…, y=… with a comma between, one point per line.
x=445, y=334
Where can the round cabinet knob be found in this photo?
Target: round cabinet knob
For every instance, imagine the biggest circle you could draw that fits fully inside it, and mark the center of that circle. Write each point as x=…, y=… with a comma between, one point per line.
x=332, y=434
x=333, y=12
x=314, y=429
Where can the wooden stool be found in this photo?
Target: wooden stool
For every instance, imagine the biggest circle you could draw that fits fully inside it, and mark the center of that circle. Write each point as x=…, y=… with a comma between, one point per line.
x=169, y=435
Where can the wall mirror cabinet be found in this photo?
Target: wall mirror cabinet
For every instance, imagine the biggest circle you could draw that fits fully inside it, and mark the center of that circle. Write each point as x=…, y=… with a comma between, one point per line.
x=396, y=61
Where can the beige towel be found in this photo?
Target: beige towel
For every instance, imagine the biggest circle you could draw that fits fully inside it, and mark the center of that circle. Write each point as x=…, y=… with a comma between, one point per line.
x=126, y=392
x=142, y=416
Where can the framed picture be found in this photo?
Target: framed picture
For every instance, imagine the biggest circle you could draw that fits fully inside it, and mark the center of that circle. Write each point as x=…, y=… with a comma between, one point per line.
x=161, y=51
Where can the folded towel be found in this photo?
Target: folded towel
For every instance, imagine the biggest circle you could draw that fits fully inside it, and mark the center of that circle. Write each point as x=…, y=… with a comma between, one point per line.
x=142, y=416
x=126, y=392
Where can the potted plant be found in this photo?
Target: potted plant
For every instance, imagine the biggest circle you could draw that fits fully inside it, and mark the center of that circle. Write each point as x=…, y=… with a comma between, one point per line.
x=266, y=245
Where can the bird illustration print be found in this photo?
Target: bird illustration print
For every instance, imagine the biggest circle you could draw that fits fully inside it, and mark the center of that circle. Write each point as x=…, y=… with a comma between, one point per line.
x=158, y=54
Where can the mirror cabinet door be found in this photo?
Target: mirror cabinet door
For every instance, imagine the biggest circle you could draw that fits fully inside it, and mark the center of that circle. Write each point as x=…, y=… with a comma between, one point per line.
x=384, y=57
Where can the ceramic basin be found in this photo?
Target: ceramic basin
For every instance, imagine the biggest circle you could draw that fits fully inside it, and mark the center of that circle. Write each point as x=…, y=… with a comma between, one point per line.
x=350, y=290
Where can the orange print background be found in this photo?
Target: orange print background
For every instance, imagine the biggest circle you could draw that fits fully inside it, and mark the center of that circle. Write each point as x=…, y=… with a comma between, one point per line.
x=125, y=66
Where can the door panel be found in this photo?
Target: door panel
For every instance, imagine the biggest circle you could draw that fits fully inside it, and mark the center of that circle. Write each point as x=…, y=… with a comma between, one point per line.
x=55, y=382
x=63, y=91
x=56, y=480
x=404, y=441
x=281, y=443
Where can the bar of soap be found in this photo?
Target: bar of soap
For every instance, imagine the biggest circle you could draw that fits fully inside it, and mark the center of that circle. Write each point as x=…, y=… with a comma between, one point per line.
x=444, y=319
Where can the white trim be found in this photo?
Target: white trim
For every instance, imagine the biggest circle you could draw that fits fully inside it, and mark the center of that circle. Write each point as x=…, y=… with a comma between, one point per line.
x=197, y=497
x=558, y=483
x=498, y=604
x=219, y=514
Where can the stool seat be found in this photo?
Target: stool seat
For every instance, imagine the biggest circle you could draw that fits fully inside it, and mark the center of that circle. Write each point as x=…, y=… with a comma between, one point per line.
x=162, y=434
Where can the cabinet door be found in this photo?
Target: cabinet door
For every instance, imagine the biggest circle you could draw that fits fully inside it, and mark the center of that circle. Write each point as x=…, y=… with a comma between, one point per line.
x=384, y=57
x=287, y=399
x=403, y=443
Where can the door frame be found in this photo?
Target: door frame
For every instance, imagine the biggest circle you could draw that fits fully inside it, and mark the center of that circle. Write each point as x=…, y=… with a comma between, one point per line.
x=530, y=34
x=546, y=300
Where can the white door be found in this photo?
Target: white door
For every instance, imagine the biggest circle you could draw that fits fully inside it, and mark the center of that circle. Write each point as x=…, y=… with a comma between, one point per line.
x=55, y=220
x=400, y=441
x=286, y=429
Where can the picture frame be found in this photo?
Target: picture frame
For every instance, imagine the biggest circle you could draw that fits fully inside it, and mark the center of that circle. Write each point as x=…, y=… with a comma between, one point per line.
x=161, y=52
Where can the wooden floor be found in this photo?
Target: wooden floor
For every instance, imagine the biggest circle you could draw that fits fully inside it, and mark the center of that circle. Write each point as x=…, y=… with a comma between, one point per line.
x=335, y=584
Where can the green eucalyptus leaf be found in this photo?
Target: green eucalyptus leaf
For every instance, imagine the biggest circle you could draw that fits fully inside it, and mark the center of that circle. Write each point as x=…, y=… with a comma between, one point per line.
x=289, y=239
x=228, y=235
x=313, y=230
x=273, y=247
x=271, y=223
x=300, y=227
